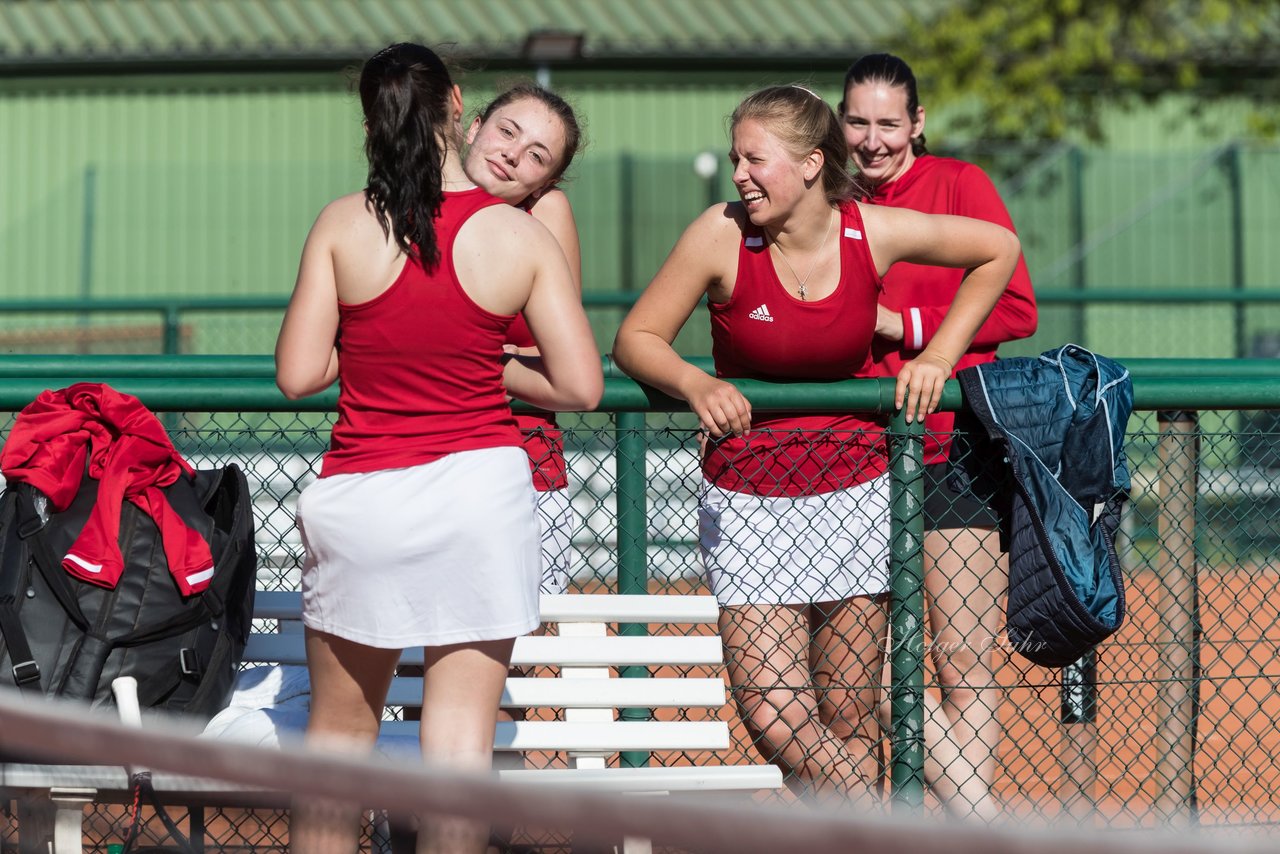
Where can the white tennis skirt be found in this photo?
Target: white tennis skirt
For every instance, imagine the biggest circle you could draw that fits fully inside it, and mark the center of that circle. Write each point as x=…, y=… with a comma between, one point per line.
x=793, y=551
x=555, y=518
x=442, y=553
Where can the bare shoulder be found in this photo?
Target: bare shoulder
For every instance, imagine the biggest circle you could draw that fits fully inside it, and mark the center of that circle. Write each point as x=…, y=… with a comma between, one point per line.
x=871, y=213
x=711, y=242
x=878, y=218
x=720, y=223
x=551, y=203
x=501, y=237
x=347, y=217
x=496, y=223
x=554, y=211
x=346, y=208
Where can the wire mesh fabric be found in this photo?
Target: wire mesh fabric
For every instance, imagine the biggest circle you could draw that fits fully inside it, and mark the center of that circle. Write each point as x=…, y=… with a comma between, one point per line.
x=1173, y=719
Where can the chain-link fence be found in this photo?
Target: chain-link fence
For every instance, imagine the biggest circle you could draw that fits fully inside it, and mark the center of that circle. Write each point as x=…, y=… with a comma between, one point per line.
x=1172, y=719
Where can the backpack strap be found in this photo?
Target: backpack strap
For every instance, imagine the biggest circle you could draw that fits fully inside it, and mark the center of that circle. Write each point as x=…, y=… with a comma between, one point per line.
x=14, y=558
x=31, y=530
x=26, y=673
x=155, y=687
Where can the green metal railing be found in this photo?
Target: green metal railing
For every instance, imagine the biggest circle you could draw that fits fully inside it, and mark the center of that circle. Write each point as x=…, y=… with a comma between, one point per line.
x=173, y=311
x=243, y=385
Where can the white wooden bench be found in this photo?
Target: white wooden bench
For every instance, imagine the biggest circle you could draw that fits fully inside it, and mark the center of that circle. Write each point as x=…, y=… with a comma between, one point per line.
x=52, y=797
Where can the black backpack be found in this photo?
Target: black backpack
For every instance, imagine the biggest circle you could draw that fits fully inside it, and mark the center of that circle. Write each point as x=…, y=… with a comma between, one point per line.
x=67, y=638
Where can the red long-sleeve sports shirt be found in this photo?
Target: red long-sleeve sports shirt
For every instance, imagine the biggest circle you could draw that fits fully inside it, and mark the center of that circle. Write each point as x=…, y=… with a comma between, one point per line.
x=942, y=185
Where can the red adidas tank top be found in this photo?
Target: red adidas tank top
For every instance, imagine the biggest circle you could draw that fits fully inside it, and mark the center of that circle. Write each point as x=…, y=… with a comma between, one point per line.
x=420, y=365
x=764, y=332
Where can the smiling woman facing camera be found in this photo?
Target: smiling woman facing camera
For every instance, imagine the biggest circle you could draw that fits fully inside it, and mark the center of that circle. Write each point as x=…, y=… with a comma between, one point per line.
x=965, y=574
x=405, y=293
x=794, y=507
x=518, y=149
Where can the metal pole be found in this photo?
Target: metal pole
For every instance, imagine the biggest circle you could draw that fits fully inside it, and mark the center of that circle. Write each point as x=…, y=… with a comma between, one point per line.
x=1178, y=608
x=172, y=347
x=1078, y=763
x=906, y=610
x=172, y=331
x=1235, y=178
x=86, y=251
x=626, y=222
x=1079, y=275
x=633, y=511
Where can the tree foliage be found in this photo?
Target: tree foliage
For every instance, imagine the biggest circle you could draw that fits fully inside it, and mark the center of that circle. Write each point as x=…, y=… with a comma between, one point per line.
x=1041, y=69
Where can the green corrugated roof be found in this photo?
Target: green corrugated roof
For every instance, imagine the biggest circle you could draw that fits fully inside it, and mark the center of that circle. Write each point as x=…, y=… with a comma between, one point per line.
x=69, y=32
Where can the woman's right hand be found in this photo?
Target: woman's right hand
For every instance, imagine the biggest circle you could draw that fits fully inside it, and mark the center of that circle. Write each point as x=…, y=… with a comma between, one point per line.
x=720, y=407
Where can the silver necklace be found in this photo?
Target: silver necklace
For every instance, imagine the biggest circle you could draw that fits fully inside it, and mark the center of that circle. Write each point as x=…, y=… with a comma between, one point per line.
x=802, y=289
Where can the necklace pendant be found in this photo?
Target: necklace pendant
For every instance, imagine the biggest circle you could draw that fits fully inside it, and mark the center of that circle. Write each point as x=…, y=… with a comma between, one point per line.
x=804, y=293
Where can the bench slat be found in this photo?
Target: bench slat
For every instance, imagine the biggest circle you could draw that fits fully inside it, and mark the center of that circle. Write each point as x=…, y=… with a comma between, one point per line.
x=612, y=736
x=608, y=737
x=561, y=608
x=683, y=778
x=624, y=608
x=535, y=692
x=112, y=778
x=619, y=651
x=288, y=648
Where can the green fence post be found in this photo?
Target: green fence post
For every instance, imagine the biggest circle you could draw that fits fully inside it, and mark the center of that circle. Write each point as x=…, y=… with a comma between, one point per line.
x=626, y=222
x=1178, y=606
x=86, y=250
x=172, y=331
x=172, y=347
x=633, y=511
x=1235, y=179
x=906, y=610
x=1079, y=276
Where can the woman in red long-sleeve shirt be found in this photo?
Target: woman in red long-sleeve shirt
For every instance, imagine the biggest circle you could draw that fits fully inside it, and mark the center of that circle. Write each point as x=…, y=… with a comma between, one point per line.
x=965, y=574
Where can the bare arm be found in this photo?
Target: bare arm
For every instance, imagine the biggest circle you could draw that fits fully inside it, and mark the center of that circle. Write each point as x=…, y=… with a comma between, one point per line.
x=989, y=252
x=306, y=358
x=553, y=210
x=642, y=348
x=567, y=375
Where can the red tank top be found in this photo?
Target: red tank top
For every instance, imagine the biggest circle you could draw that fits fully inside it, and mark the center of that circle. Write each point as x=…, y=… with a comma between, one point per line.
x=763, y=332
x=543, y=441
x=420, y=365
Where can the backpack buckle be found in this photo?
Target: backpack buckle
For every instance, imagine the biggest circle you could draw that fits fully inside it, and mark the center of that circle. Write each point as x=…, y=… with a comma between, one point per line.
x=189, y=661
x=26, y=672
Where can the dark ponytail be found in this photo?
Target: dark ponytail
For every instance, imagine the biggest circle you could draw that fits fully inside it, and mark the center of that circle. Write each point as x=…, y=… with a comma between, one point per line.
x=405, y=91
x=892, y=71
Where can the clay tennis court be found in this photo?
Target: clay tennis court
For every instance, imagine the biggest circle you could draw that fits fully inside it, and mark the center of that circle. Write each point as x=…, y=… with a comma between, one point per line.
x=1235, y=764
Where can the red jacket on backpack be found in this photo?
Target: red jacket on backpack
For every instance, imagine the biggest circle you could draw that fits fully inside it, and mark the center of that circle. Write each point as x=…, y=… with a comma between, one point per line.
x=130, y=455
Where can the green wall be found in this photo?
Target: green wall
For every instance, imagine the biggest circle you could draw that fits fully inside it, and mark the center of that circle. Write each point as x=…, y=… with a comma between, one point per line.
x=207, y=186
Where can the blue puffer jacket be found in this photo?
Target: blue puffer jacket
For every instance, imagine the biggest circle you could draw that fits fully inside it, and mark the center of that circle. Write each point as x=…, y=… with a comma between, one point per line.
x=1048, y=450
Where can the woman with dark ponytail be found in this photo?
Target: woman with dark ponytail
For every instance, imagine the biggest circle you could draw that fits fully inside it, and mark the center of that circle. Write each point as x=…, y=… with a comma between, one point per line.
x=964, y=573
x=405, y=293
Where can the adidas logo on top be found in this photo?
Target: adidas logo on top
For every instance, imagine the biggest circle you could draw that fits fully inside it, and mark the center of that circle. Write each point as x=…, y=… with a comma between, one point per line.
x=761, y=313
